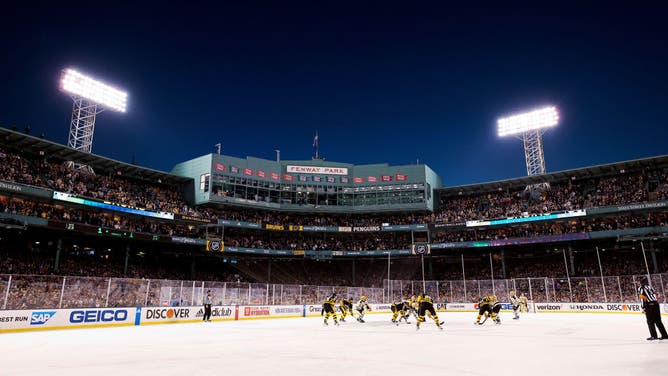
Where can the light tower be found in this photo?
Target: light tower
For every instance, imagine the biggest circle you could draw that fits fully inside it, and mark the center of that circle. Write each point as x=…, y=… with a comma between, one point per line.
x=529, y=127
x=90, y=98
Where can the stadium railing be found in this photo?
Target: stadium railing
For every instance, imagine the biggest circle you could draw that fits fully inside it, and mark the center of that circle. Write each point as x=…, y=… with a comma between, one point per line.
x=19, y=291
x=553, y=290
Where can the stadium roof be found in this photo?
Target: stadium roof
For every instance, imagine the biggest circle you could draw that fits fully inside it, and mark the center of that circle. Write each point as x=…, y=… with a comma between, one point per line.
x=559, y=176
x=12, y=139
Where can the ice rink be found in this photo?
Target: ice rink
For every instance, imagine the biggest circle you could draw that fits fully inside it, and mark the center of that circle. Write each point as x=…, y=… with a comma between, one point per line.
x=537, y=344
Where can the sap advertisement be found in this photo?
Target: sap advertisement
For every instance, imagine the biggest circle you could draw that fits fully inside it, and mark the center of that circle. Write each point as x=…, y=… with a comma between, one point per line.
x=66, y=318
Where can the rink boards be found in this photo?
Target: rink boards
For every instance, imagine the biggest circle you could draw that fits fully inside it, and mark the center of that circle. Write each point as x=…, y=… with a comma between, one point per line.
x=52, y=319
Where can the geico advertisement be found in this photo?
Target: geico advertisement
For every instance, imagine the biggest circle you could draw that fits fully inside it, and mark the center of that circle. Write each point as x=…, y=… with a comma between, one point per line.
x=48, y=318
x=271, y=311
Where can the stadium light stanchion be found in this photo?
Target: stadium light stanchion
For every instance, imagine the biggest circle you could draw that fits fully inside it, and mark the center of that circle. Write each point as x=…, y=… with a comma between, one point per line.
x=424, y=284
x=464, y=278
x=148, y=287
x=479, y=292
x=452, y=295
x=62, y=292
x=600, y=268
x=106, y=300
x=491, y=269
x=568, y=276
x=9, y=285
x=192, y=297
x=587, y=287
x=619, y=285
x=90, y=97
x=547, y=290
x=530, y=290
x=529, y=127
x=389, y=284
x=644, y=256
x=181, y=293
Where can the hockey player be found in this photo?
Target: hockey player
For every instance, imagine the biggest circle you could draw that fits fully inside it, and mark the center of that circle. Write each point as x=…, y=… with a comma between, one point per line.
x=362, y=307
x=346, y=307
x=489, y=306
x=328, y=308
x=524, y=306
x=515, y=301
x=400, y=308
x=413, y=307
x=426, y=305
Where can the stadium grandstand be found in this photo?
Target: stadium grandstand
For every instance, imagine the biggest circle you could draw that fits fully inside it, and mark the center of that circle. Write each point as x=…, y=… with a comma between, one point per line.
x=291, y=232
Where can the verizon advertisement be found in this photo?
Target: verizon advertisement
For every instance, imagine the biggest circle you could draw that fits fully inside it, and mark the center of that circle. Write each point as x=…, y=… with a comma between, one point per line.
x=589, y=307
x=39, y=319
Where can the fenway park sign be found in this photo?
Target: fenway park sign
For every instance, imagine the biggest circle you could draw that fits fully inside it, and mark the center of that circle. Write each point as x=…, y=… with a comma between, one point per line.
x=317, y=170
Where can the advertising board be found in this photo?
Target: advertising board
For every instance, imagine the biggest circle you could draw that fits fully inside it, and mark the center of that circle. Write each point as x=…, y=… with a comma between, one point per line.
x=44, y=319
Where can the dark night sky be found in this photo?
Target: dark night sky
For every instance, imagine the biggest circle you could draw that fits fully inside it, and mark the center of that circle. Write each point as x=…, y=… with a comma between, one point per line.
x=380, y=83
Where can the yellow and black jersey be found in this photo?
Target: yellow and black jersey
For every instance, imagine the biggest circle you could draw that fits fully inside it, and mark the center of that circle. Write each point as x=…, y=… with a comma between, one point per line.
x=400, y=305
x=425, y=299
x=346, y=303
x=330, y=300
x=488, y=300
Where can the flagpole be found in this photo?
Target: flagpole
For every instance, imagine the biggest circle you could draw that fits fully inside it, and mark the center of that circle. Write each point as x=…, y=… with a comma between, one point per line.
x=315, y=144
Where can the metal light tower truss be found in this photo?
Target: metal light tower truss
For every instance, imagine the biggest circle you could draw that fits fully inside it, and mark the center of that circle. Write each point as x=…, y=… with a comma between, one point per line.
x=82, y=128
x=90, y=98
x=533, y=152
x=529, y=127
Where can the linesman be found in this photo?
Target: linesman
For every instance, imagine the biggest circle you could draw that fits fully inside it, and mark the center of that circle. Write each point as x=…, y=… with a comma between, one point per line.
x=650, y=307
x=207, y=307
x=515, y=301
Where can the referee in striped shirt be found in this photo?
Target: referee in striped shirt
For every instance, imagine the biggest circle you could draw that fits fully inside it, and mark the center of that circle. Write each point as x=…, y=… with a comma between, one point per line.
x=650, y=306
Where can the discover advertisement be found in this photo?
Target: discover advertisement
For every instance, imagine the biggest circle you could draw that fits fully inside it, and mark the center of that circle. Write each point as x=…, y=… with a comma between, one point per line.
x=161, y=315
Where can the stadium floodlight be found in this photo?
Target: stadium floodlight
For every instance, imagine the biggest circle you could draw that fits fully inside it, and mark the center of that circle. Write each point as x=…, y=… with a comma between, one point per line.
x=81, y=85
x=90, y=97
x=529, y=127
x=529, y=121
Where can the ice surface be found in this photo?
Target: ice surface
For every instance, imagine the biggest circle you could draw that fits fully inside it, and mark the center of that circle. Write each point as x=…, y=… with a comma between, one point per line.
x=537, y=344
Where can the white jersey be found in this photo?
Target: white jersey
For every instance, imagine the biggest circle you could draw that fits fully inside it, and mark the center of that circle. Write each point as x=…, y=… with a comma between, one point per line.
x=361, y=305
x=514, y=300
